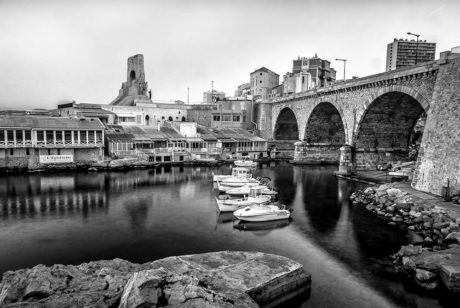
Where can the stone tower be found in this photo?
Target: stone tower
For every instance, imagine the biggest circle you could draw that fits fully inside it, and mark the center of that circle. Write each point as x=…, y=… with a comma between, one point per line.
x=134, y=88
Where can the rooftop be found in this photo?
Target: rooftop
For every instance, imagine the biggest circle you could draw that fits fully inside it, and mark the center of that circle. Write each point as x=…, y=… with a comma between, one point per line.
x=42, y=122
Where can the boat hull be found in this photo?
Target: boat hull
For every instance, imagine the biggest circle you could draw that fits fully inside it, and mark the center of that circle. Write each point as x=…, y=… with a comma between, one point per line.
x=262, y=213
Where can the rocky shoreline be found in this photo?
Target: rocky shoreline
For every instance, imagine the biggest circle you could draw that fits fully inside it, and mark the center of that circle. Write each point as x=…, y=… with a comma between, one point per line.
x=432, y=261
x=217, y=279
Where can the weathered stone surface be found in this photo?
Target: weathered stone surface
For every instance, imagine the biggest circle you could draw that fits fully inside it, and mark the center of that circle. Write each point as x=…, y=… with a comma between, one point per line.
x=453, y=237
x=220, y=279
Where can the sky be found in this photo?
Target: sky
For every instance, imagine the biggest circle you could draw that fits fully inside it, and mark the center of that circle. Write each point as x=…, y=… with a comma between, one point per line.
x=57, y=51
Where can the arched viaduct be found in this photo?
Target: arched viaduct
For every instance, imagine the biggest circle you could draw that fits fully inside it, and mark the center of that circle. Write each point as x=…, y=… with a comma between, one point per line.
x=375, y=116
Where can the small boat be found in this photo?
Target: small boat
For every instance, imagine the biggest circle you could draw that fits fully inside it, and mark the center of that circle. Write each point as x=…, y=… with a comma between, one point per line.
x=226, y=204
x=224, y=187
x=244, y=190
x=262, y=213
x=238, y=172
x=245, y=162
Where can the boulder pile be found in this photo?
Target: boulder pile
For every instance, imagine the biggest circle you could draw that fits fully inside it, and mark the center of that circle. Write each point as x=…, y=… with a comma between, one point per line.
x=434, y=258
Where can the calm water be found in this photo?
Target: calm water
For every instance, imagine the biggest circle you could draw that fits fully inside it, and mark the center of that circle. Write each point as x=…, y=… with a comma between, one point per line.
x=143, y=215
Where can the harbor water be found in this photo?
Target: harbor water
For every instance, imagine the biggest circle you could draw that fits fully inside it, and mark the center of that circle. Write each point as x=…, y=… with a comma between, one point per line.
x=147, y=214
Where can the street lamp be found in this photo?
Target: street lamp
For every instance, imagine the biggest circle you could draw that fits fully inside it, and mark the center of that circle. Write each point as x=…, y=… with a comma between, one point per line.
x=344, y=66
x=416, y=47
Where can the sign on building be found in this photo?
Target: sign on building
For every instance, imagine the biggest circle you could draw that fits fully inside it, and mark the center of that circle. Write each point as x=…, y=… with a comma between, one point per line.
x=55, y=159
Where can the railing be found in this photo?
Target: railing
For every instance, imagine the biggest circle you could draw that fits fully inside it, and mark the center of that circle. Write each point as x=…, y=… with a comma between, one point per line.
x=42, y=144
x=18, y=144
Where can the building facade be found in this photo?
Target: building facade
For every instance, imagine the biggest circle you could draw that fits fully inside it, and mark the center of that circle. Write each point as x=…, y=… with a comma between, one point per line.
x=37, y=141
x=262, y=81
x=404, y=53
x=320, y=70
x=212, y=96
x=233, y=113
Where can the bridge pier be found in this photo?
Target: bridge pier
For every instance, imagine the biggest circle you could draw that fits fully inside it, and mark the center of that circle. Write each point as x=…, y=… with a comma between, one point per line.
x=316, y=153
x=346, y=164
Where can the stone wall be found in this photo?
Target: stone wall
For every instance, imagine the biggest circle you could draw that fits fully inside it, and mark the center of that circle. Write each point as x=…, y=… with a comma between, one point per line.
x=439, y=156
x=202, y=116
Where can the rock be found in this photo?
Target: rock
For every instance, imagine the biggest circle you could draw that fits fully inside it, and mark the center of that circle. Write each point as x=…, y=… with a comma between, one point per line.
x=369, y=191
x=424, y=275
x=403, y=205
x=396, y=193
x=380, y=193
x=450, y=277
x=453, y=237
x=445, y=231
x=408, y=264
x=219, y=279
x=427, y=225
x=409, y=250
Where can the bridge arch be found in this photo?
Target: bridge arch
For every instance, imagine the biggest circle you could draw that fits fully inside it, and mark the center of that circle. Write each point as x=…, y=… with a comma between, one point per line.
x=286, y=125
x=325, y=125
x=384, y=129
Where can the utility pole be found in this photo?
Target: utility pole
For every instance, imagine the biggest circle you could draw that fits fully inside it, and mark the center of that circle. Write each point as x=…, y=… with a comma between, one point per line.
x=416, y=46
x=344, y=66
x=212, y=91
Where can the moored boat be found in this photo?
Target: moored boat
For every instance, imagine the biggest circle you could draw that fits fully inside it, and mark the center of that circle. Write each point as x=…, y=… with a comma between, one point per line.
x=244, y=190
x=255, y=197
x=238, y=172
x=245, y=162
x=262, y=213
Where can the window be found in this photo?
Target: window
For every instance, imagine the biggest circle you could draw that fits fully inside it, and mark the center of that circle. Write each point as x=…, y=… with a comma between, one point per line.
x=68, y=136
x=11, y=152
x=216, y=118
x=58, y=151
x=98, y=136
x=19, y=136
x=40, y=135
x=260, y=81
x=83, y=136
x=50, y=136
x=90, y=137
x=236, y=118
x=2, y=135
x=170, y=118
x=27, y=135
x=10, y=135
x=27, y=151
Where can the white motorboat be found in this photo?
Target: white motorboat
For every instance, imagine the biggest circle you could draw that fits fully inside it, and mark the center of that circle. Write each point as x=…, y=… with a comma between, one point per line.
x=237, y=172
x=230, y=205
x=244, y=190
x=245, y=162
x=224, y=187
x=262, y=213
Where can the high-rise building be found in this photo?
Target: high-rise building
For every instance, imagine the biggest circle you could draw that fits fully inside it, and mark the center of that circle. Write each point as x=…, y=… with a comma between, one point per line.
x=321, y=72
x=404, y=53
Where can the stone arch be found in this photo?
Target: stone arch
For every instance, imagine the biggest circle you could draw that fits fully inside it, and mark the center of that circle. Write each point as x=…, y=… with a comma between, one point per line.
x=286, y=126
x=325, y=125
x=384, y=128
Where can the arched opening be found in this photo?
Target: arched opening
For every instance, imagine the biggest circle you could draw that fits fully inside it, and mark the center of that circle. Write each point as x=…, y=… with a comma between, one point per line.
x=325, y=126
x=147, y=118
x=286, y=127
x=388, y=127
x=183, y=119
x=324, y=135
x=170, y=118
x=132, y=75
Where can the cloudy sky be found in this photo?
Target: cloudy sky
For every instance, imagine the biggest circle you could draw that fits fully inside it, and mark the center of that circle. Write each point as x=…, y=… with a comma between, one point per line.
x=53, y=51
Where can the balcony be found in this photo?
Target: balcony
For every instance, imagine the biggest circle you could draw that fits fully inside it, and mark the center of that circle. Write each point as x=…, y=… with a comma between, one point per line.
x=13, y=145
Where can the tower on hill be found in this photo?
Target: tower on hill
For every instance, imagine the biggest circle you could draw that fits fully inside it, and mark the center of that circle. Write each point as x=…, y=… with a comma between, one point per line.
x=134, y=88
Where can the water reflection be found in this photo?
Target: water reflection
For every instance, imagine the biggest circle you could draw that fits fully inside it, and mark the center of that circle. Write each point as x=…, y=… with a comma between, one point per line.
x=262, y=225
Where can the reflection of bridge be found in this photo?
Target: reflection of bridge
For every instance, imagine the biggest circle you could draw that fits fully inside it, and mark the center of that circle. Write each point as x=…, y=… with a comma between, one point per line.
x=375, y=117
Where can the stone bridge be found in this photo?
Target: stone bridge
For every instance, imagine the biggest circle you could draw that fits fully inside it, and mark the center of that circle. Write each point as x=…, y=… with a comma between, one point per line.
x=375, y=117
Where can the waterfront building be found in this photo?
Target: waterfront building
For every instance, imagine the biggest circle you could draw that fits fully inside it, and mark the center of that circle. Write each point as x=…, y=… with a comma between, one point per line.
x=89, y=111
x=403, y=53
x=213, y=96
x=233, y=113
x=262, y=81
x=35, y=141
x=320, y=71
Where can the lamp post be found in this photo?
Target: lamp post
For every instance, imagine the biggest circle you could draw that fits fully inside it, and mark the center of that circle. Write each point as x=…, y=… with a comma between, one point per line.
x=416, y=46
x=188, y=95
x=344, y=66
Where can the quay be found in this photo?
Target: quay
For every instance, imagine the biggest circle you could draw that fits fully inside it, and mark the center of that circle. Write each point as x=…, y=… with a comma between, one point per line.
x=225, y=278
